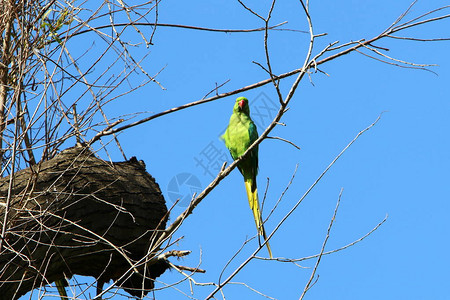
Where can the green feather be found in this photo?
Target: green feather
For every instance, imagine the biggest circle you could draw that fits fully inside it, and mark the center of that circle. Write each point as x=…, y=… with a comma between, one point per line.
x=60, y=285
x=240, y=134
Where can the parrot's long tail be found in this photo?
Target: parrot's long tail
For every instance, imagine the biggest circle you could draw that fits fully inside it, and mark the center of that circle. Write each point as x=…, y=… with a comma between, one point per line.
x=252, y=194
x=60, y=285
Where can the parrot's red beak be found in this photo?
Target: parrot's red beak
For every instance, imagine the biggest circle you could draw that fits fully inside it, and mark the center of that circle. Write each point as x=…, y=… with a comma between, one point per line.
x=241, y=104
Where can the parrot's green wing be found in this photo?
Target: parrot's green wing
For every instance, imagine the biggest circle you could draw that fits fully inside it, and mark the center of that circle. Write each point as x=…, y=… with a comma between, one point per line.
x=241, y=133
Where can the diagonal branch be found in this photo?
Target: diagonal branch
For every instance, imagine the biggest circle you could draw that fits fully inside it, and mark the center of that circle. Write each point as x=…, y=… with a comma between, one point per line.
x=356, y=46
x=238, y=269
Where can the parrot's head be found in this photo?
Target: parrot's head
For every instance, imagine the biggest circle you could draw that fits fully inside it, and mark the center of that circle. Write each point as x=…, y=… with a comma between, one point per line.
x=241, y=106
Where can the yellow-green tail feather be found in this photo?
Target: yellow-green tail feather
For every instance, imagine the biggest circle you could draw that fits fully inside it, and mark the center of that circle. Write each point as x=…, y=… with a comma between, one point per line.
x=252, y=195
x=60, y=285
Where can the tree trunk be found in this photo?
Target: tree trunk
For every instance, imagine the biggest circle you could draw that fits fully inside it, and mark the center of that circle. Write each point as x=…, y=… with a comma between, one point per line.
x=78, y=214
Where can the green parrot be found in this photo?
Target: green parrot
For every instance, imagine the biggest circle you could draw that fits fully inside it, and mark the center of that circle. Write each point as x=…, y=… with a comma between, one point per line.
x=239, y=136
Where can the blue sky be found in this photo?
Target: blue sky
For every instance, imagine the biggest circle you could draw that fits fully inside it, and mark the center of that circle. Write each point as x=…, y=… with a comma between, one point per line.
x=398, y=168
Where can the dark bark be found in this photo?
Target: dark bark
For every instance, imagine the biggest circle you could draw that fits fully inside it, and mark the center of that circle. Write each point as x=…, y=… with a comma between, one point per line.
x=71, y=214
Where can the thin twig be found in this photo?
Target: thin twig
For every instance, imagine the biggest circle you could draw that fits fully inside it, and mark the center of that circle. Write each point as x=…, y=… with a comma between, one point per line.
x=308, y=284
x=284, y=140
x=179, y=26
